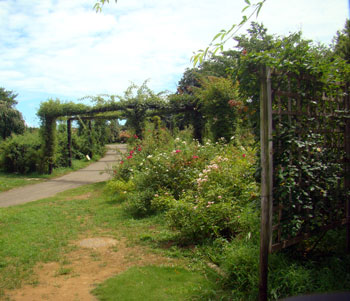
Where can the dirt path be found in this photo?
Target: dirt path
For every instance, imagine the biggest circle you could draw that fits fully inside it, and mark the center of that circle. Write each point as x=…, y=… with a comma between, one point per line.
x=94, y=173
x=83, y=270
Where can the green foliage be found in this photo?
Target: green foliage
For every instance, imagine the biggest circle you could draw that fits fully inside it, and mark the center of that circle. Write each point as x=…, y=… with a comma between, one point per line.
x=207, y=190
x=219, y=40
x=137, y=102
x=118, y=189
x=342, y=42
x=220, y=104
x=11, y=120
x=21, y=153
x=223, y=201
x=315, y=200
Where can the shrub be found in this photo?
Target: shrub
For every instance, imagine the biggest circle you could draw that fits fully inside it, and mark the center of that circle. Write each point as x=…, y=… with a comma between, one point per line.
x=21, y=153
x=223, y=200
x=118, y=189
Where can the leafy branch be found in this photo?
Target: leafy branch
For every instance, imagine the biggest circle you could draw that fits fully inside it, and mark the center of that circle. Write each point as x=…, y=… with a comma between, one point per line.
x=99, y=4
x=224, y=35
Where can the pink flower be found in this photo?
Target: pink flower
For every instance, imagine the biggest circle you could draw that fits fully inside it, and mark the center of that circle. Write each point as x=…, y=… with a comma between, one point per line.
x=244, y=155
x=121, y=162
x=136, y=137
x=177, y=151
x=131, y=152
x=195, y=157
x=139, y=149
x=129, y=157
x=219, y=197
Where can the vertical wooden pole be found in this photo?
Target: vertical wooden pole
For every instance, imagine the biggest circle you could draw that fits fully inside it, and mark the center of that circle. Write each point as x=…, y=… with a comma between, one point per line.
x=347, y=169
x=69, y=142
x=90, y=139
x=266, y=179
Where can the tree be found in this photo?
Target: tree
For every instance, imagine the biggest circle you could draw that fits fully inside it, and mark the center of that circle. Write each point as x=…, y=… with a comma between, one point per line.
x=342, y=42
x=11, y=120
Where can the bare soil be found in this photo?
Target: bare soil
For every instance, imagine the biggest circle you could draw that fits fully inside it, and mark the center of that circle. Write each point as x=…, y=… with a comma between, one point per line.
x=94, y=260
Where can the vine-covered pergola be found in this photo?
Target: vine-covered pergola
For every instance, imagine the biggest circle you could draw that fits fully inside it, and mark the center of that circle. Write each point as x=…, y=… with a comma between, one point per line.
x=52, y=110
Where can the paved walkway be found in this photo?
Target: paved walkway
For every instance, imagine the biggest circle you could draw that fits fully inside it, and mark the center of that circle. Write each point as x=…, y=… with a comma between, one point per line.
x=95, y=172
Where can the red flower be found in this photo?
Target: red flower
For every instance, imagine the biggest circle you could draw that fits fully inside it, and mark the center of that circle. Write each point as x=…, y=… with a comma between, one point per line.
x=244, y=155
x=177, y=151
x=136, y=137
x=129, y=157
x=121, y=162
x=139, y=149
x=131, y=152
x=195, y=157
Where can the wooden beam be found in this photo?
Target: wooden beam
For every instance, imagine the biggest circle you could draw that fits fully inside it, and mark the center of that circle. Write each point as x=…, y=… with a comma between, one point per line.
x=266, y=179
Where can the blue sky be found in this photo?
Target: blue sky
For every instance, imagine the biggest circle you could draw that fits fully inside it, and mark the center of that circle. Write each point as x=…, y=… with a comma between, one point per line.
x=63, y=49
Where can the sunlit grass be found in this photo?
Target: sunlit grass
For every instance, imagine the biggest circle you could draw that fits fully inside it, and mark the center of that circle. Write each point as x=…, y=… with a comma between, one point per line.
x=153, y=283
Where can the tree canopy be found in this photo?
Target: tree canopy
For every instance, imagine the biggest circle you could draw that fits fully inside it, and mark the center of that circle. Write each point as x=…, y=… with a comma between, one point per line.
x=11, y=120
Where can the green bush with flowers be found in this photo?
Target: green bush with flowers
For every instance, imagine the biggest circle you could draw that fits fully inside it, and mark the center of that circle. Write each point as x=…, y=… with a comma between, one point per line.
x=224, y=195
x=206, y=190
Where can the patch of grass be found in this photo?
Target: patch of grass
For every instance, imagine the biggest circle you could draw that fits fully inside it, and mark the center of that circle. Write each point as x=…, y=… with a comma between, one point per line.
x=63, y=271
x=9, y=181
x=39, y=232
x=43, y=231
x=153, y=283
x=12, y=180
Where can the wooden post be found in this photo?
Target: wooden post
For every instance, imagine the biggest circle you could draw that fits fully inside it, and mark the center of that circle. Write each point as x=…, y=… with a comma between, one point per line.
x=347, y=168
x=266, y=179
x=90, y=140
x=69, y=142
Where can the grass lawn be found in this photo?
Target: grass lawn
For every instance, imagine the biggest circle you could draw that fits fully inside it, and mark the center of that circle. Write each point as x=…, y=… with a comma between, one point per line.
x=41, y=232
x=13, y=180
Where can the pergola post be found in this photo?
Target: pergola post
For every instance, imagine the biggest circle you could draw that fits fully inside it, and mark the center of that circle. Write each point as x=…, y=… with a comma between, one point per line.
x=69, y=141
x=347, y=169
x=266, y=179
x=90, y=140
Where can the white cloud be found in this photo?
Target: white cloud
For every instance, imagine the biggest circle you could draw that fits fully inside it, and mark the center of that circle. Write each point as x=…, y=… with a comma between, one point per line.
x=62, y=47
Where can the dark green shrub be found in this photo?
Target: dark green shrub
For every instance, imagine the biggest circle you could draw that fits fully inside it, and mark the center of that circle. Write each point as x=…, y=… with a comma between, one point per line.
x=21, y=153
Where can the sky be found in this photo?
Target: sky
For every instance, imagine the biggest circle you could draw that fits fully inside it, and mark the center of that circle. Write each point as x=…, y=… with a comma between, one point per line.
x=64, y=49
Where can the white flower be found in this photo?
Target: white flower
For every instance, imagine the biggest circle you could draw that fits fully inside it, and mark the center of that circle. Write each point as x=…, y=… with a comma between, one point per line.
x=149, y=156
x=177, y=139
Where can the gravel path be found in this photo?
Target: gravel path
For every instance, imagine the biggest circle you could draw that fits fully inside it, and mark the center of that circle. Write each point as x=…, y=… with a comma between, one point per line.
x=95, y=172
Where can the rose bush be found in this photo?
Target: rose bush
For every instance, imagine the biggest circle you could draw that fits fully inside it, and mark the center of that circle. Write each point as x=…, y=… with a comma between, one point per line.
x=207, y=190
